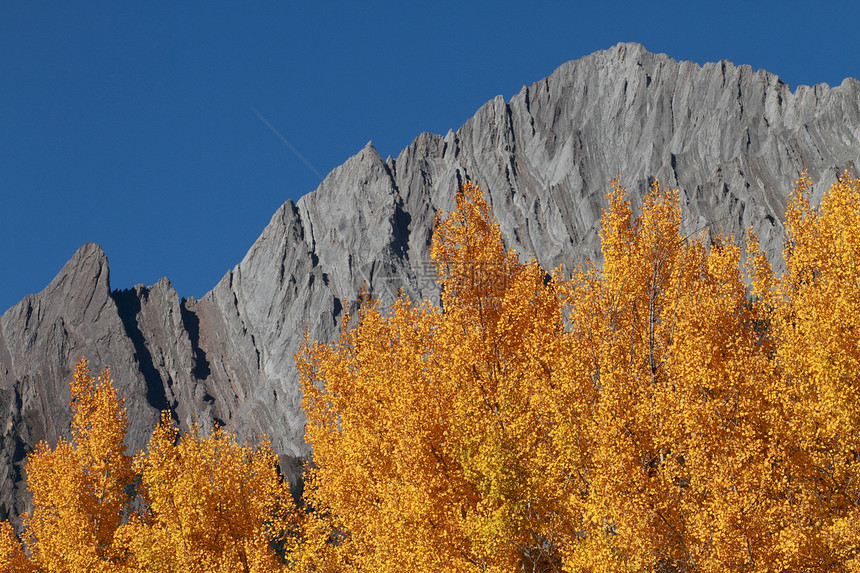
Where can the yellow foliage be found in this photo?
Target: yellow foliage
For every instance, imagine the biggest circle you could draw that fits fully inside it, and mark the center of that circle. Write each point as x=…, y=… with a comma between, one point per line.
x=656, y=414
x=649, y=416
x=212, y=504
x=419, y=429
x=206, y=503
x=79, y=488
x=815, y=319
x=671, y=403
x=12, y=556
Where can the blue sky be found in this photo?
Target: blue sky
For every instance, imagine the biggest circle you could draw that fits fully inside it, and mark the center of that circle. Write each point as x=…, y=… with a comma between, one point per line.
x=132, y=125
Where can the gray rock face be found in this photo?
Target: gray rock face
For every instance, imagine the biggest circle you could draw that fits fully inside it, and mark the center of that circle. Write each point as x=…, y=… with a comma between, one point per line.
x=40, y=340
x=732, y=140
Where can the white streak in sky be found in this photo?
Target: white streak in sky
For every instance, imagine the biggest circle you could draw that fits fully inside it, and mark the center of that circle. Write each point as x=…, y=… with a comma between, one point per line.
x=284, y=139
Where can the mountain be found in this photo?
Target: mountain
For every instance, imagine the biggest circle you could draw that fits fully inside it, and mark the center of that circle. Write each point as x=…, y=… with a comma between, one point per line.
x=733, y=141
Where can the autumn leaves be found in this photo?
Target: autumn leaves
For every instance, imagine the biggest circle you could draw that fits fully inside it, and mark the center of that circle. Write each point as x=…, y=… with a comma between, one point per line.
x=649, y=415
x=202, y=503
x=656, y=414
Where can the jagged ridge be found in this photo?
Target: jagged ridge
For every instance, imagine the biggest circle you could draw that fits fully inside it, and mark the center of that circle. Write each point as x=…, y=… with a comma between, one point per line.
x=731, y=139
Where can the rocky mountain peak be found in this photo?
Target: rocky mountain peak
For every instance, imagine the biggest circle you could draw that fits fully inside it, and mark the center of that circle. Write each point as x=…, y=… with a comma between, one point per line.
x=731, y=139
x=85, y=276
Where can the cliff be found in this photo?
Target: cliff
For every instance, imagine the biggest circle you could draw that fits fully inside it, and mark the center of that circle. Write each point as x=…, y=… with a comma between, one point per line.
x=733, y=141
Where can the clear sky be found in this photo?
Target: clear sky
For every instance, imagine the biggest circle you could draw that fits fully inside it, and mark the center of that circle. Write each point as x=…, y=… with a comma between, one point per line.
x=133, y=124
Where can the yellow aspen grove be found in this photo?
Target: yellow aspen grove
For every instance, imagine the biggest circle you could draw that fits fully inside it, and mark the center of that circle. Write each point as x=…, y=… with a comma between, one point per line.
x=204, y=503
x=654, y=415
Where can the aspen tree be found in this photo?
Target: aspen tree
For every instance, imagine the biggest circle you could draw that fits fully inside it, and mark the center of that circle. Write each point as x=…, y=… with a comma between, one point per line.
x=815, y=320
x=80, y=488
x=420, y=419
x=212, y=504
x=667, y=444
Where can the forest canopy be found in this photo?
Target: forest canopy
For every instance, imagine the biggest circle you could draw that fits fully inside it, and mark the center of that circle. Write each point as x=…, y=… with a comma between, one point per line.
x=655, y=414
x=680, y=408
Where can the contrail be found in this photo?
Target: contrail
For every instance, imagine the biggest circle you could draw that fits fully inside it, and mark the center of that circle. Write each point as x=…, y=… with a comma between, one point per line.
x=284, y=139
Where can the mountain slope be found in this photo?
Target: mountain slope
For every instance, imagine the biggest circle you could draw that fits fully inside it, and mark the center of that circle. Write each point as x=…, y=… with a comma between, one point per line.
x=731, y=139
